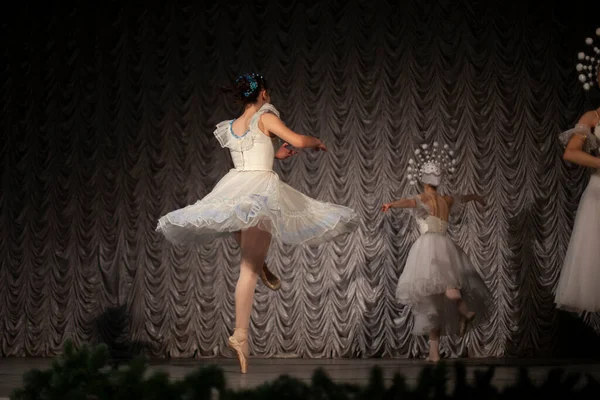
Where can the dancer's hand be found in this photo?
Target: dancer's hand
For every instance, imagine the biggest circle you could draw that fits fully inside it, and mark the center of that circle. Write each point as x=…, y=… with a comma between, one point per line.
x=284, y=152
x=386, y=207
x=321, y=146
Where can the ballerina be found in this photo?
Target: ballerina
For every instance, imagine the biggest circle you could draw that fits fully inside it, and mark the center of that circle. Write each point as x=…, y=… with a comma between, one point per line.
x=251, y=202
x=443, y=289
x=577, y=288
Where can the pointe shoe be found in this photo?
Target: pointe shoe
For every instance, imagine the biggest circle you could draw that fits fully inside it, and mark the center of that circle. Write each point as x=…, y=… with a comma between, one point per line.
x=237, y=345
x=269, y=279
x=464, y=324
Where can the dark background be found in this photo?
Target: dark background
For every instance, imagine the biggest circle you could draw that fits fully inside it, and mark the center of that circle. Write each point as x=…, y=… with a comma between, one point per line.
x=107, y=117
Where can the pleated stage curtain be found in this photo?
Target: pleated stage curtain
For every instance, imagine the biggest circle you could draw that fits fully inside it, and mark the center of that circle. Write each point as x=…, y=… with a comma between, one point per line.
x=107, y=117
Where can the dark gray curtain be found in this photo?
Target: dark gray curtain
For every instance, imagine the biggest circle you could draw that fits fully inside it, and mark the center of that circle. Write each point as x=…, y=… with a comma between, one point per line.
x=107, y=118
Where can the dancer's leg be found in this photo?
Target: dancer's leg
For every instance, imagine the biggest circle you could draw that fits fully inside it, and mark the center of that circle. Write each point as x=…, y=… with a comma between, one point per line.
x=466, y=315
x=268, y=278
x=434, y=346
x=254, y=246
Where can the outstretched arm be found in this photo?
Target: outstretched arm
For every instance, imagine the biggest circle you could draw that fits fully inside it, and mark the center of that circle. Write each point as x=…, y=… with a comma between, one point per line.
x=574, y=150
x=466, y=198
x=274, y=125
x=402, y=203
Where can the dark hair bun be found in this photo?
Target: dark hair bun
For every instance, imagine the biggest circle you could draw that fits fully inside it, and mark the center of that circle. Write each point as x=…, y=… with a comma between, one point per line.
x=246, y=88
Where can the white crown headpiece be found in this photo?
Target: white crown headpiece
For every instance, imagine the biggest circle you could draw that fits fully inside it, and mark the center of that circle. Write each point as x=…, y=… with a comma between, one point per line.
x=588, y=65
x=431, y=164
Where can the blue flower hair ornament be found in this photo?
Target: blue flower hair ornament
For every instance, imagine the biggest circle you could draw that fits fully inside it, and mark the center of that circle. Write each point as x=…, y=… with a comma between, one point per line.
x=252, y=80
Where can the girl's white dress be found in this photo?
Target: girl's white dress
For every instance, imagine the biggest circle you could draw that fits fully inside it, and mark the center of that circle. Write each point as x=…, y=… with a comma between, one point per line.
x=251, y=195
x=434, y=264
x=578, y=287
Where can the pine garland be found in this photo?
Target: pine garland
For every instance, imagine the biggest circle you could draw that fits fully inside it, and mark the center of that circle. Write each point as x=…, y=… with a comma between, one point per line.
x=85, y=374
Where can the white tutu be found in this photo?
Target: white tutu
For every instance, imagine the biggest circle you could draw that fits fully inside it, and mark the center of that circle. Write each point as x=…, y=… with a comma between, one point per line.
x=251, y=195
x=244, y=199
x=579, y=283
x=434, y=264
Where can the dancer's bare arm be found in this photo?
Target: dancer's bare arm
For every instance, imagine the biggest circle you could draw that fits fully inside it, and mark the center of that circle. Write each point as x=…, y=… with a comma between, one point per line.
x=465, y=198
x=574, y=150
x=402, y=203
x=274, y=125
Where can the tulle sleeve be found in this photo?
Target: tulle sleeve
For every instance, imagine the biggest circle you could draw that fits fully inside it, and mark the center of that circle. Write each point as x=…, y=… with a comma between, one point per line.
x=591, y=141
x=226, y=139
x=422, y=210
x=222, y=133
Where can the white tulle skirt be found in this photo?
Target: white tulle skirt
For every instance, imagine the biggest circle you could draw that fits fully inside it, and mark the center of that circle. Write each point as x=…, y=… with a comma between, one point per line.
x=435, y=264
x=578, y=287
x=244, y=199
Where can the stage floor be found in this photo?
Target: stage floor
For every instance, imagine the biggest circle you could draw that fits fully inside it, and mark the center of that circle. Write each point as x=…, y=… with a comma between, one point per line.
x=340, y=370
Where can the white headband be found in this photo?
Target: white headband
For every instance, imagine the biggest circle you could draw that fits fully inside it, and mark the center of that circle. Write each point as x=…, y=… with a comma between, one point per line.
x=431, y=165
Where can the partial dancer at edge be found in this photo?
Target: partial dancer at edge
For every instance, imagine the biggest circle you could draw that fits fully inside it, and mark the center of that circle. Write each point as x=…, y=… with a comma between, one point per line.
x=578, y=288
x=251, y=202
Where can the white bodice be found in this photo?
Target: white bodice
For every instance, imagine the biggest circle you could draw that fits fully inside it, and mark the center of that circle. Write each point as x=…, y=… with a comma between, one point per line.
x=253, y=151
x=259, y=157
x=432, y=224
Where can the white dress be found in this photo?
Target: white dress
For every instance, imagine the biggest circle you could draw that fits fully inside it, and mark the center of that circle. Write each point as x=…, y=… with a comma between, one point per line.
x=251, y=195
x=578, y=287
x=434, y=264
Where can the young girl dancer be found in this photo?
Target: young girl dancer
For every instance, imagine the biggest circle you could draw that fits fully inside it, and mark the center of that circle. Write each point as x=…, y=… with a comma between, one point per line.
x=443, y=289
x=577, y=288
x=252, y=203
